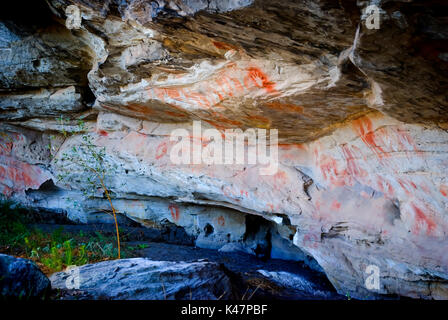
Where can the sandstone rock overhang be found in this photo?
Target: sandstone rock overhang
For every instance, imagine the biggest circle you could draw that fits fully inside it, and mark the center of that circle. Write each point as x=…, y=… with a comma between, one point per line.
x=361, y=115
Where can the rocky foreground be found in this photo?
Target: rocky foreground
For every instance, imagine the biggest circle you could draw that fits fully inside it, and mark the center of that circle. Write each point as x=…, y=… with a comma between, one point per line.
x=361, y=114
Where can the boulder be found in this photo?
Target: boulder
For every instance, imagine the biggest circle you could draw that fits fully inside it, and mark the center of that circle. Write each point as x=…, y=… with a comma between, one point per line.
x=21, y=279
x=144, y=279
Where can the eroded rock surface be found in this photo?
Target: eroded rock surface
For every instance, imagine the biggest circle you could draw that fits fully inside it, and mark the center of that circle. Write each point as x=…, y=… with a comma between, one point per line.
x=362, y=118
x=144, y=279
x=21, y=279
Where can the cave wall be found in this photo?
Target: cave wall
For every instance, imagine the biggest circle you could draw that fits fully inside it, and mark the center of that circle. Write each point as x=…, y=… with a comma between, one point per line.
x=361, y=116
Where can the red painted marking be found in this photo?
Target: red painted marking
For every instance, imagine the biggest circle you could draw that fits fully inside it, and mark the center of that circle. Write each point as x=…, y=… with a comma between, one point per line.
x=6, y=148
x=422, y=220
x=290, y=146
x=221, y=221
x=259, y=119
x=103, y=133
x=287, y=107
x=330, y=171
x=280, y=179
x=310, y=240
x=335, y=205
x=226, y=83
x=221, y=118
x=351, y=162
x=224, y=46
x=161, y=150
x=405, y=186
x=174, y=212
x=444, y=190
x=5, y=190
x=238, y=86
x=244, y=193
x=364, y=194
x=140, y=109
x=365, y=129
x=198, y=98
x=172, y=93
x=259, y=79
x=385, y=187
x=21, y=175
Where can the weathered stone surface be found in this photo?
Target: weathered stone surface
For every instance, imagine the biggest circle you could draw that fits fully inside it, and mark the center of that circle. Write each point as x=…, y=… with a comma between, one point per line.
x=361, y=114
x=296, y=282
x=23, y=155
x=21, y=279
x=41, y=103
x=144, y=279
x=360, y=194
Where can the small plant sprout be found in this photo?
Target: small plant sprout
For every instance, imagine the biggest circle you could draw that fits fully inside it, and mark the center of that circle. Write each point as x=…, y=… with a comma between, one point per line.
x=91, y=159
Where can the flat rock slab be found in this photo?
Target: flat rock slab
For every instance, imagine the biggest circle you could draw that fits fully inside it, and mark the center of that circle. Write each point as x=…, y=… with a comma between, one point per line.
x=144, y=279
x=21, y=279
x=271, y=284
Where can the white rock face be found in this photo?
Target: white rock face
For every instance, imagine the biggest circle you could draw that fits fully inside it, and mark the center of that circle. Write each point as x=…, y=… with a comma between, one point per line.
x=47, y=103
x=361, y=116
x=358, y=201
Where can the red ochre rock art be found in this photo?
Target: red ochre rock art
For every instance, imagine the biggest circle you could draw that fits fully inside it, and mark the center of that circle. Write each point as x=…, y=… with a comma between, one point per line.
x=175, y=213
x=231, y=82
x=363, y=161
x=16, y=176
x=221, y=221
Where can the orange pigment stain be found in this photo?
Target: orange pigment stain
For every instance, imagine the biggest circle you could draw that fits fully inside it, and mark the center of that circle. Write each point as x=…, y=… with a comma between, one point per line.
x=364, y=194
x=335, y=205
x=22, y=175
x=280, y=179
x=421, y=220
x=172, y=93
x=223, y=122
x=352, y=163
x=221, y=221
x=5, y=190
x=291, y=146
x=391, y=137
x=197, y=98
x=227, y=83
x=260, y=120
x=444, y=190
x=259, y=79
x=285, y=107
x=161, y=150
x=6, y=148
x=331, y=172
x=139, y=109
x=244, y=193
x=310, y=241
x=224, y=46
x=174, y=212
x=385, y=187
x=364, y=128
